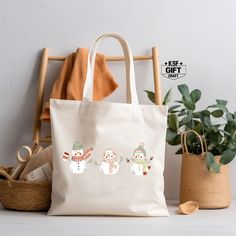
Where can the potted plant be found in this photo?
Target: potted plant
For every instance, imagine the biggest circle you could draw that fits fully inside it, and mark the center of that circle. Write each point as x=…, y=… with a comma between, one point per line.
x=210, y=144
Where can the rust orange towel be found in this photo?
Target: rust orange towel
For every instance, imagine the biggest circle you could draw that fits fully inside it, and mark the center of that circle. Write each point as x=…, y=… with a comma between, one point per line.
x=72, y=76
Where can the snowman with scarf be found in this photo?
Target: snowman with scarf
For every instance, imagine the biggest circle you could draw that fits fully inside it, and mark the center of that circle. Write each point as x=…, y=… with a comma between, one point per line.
x=79, y=158
x=110, y=164
x=139, y=163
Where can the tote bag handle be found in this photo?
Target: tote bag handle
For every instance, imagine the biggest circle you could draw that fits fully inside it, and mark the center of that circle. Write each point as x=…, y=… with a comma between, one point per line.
x=131, y=93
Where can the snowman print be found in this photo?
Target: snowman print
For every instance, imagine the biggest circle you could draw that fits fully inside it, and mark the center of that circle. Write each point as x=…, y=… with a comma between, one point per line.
x=79, y=158
x=110, y=164
x=139, y=163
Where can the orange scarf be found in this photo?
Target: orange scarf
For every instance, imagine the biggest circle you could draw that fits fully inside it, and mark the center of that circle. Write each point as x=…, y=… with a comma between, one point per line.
x=72, y=76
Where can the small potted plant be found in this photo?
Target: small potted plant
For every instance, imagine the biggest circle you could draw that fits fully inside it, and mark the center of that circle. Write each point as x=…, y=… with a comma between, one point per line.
x=208, y=143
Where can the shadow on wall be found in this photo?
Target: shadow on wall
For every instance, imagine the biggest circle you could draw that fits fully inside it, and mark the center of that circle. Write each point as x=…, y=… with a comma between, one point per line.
x=20, y=133
x=172, y=173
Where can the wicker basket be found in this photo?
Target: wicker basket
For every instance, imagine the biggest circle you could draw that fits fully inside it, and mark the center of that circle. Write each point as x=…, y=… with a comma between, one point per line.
x=209, y=190
x=25, y=196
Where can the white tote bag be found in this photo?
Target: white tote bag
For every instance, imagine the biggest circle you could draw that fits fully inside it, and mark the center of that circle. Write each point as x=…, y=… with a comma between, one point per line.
x=108, y=158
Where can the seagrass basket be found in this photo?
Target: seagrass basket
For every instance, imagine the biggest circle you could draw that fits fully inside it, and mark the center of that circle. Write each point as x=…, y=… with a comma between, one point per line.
x=25, y=196
x=209, y=190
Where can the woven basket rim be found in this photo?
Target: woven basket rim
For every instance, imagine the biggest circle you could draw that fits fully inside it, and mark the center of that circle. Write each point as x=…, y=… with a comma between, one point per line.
x=199, y=156
x=192, y=154
x=43, y=183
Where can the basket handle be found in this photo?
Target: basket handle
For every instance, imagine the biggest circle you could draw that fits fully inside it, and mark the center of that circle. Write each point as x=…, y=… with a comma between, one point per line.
x=184, y=141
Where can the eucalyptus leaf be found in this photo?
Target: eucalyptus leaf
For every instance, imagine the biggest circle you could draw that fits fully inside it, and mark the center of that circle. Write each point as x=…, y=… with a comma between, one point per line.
x=172, y=137
x=210, y=159
x=230, y=128
x=214, y=128
x=178, y=101
x=215, y=167
x=230, y=117
x=211, y=163
x=186, y=97
x=186, y=120
x=205, y=119
x=205, y=113
x=151, y=96
x=214, y=137
x=227, y=156
x=172, y=108
x=198, y=128
x=217, y=113
x=167, y=97
x=196, y=114
x=173, y=122
x=231, y=145
x=212, y=106
x=188, y=103
x=183, y=112
x=221, y=104
x=184, y=90
x=195, y=95
x=206, y=122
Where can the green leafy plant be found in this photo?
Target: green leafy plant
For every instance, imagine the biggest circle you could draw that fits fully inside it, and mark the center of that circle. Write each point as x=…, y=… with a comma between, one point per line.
x=215, y=123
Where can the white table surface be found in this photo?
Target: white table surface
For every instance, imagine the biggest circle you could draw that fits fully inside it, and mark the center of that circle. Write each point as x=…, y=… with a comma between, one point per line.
x=204, y=222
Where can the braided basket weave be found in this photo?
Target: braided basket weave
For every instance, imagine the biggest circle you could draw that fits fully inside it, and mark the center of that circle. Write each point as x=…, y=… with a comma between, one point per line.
x=23, y=195
x=209, y=190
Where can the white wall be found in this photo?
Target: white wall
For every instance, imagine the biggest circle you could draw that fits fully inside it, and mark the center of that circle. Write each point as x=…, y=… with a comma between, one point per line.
x=200, y=33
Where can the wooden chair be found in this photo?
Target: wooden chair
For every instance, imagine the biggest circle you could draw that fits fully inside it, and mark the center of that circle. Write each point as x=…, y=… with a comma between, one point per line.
x=37, y=138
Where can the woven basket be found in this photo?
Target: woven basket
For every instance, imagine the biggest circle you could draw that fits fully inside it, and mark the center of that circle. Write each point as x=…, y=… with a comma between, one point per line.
x=209, y=190
x=25, y=196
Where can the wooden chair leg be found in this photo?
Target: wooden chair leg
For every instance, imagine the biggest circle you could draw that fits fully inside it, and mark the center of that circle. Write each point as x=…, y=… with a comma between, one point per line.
x=40, y=96
x=156, y=75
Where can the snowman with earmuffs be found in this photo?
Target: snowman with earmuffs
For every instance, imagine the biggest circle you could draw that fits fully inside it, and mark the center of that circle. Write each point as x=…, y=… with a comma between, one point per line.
x=139, y=163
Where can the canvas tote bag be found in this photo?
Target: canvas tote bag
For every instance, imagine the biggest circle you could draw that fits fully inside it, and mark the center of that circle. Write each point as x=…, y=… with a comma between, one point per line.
x=108, y=158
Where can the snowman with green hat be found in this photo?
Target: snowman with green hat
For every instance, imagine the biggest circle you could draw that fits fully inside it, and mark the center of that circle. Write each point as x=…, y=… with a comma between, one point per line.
x=139, y=163
x=79, y=158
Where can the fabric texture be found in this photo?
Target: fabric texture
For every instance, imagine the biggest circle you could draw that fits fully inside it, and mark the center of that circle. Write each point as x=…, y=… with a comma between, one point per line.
x=99, y=176
x=70, y=82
